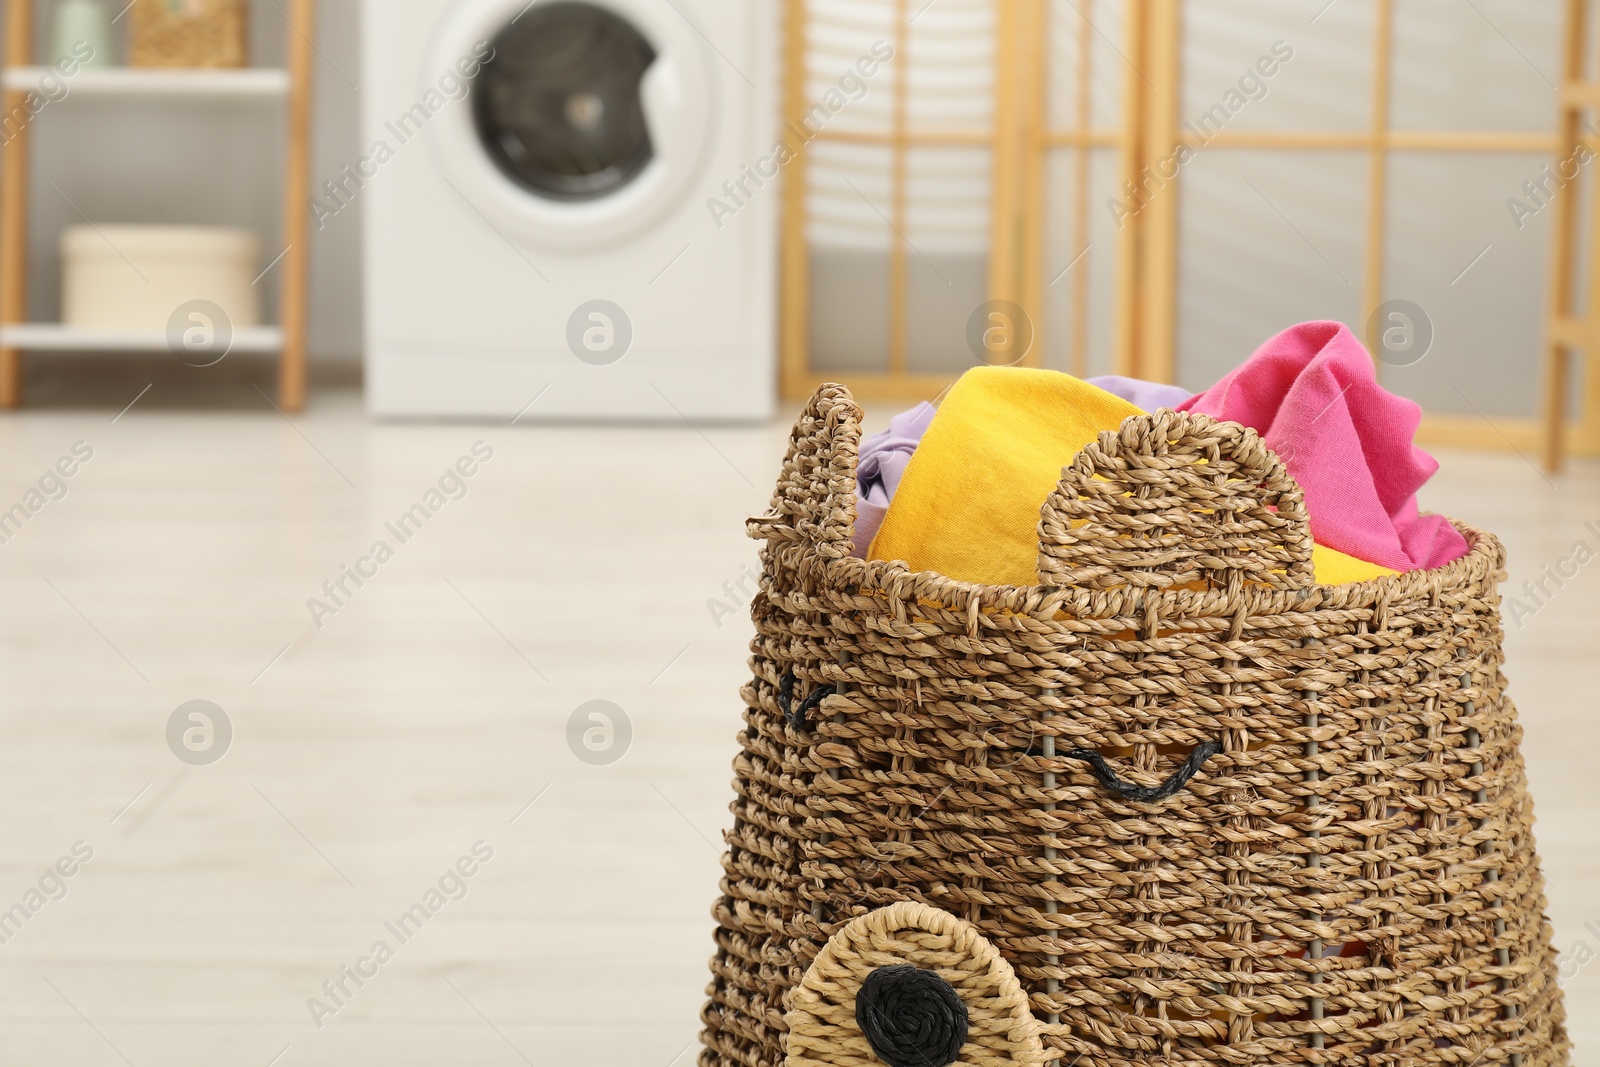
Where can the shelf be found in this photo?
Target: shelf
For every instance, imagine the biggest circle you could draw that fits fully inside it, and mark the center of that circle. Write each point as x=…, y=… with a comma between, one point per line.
x=53, y=337
x=249, y=83
x=266, y=88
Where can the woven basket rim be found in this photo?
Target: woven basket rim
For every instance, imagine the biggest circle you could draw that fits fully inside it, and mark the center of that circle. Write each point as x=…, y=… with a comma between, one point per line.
x=1479, y=570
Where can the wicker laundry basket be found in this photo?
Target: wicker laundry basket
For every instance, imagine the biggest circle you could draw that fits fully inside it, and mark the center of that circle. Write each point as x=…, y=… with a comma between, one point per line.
x=188, y=33
x=1177, y=804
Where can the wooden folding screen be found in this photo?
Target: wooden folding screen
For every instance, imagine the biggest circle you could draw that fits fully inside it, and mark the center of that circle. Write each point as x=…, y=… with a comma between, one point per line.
x=1024, y=138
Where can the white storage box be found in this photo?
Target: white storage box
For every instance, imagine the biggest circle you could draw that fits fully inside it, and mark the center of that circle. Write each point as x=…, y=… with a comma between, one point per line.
x=137, y=277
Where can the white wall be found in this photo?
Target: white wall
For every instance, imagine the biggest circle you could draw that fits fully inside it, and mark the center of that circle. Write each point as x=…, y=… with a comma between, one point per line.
x=206, y=163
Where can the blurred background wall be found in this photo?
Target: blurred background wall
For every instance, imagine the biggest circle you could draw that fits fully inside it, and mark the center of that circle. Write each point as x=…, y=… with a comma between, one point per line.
x=1266, y=237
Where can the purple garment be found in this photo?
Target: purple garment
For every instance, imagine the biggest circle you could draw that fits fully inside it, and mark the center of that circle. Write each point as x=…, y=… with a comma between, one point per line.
x=1146, y=396
x=885, y=454
x=883, y=460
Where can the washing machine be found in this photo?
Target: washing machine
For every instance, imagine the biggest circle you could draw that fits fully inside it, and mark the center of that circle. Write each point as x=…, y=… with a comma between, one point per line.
x=569, y=208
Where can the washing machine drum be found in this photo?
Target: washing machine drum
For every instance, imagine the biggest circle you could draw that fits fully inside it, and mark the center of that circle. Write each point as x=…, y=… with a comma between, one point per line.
x=558, y=106
x=589, y=120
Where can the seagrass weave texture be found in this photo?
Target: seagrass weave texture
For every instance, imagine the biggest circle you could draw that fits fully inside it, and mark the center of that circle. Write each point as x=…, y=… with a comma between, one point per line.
x=1341, y=870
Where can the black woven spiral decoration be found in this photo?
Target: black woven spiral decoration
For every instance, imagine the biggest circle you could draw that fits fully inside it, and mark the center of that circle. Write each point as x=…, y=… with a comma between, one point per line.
x=912, y=1017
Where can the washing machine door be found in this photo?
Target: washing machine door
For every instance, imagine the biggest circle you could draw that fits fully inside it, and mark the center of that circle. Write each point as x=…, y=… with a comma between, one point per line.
x=588, y=119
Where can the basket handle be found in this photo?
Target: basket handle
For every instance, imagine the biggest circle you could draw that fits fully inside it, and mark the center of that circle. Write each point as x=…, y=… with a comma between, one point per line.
x=1176, y=499
x=815, y=500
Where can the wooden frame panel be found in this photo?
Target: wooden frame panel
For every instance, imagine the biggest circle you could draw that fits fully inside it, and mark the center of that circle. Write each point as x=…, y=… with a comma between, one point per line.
x=1568, y=335
x=1377, y=165
x=1145, y=287
x=1016, y=142
x=794, y=273
x=1155, y=358
x=1005, y=267
x=293, y=310
x=899, y=280
x=1078, y=353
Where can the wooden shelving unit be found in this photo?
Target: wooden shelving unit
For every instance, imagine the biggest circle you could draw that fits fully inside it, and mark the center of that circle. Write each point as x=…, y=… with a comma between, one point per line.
x=290, y=85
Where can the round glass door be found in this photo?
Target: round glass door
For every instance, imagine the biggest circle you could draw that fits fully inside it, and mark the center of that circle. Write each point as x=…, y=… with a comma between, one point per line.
x=557, y=106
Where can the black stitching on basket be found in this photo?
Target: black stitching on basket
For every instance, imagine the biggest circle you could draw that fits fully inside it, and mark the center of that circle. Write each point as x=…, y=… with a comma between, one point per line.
x=1141, y=793
x=911, y=1017
x=796, y=716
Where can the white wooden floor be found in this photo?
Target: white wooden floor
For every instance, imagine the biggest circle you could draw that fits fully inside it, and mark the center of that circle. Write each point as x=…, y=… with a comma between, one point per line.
x=431, y=709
